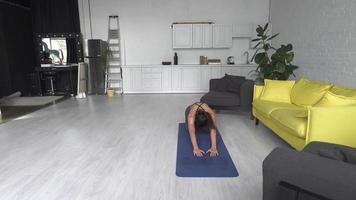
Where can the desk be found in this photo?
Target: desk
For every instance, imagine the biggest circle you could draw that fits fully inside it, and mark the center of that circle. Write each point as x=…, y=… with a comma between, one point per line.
x=70, y=71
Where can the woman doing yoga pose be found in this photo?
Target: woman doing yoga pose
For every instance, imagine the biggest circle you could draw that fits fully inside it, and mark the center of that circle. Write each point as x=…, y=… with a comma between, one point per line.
x=201, y=116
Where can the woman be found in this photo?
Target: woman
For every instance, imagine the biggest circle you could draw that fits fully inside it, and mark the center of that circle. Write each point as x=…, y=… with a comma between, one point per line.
x=201, y=116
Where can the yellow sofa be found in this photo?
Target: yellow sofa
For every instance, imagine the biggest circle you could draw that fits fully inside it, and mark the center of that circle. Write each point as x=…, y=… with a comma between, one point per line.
x=299, y=125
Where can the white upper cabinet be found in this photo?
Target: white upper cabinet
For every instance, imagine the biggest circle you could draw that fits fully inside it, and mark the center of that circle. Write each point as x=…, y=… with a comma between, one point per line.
x=198, y=36
x=202, y=36
x=182, y=36
x=222, y=36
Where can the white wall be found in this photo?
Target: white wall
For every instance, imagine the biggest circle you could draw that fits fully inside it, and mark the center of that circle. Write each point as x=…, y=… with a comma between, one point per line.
x=145, y=25
x=323, y=33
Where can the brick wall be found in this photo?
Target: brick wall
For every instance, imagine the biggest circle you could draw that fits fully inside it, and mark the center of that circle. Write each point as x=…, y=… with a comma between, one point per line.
x=323, y=33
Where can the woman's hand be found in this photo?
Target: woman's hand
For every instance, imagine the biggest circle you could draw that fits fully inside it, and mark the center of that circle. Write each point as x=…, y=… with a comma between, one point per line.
x=213, y=152
x=198, y=152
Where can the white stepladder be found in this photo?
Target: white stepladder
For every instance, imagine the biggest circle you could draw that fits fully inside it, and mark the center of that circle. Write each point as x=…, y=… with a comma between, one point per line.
x=113, y=78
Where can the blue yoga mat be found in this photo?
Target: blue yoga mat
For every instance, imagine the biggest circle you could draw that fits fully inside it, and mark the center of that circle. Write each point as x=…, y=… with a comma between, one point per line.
x=190, y=166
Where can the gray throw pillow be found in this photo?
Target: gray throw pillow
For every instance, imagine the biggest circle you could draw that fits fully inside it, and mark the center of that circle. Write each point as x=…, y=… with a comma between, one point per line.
x=334, y=154
x=234, y=83
x=350, y=156
x=344, y=155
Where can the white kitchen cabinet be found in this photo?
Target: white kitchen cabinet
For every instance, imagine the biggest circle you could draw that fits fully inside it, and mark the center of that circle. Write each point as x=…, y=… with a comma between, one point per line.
x=202, y=36
x=151, y=78
x=182, y=36
x=198, y=36
x=190, y=78
x=205, y=76
x=222, y=36
x=207, y=35
x=132, y=78
x=148, y=79
x=185, y=79
x=235, y=71
x=215, y=72
x=166, y=78
x=176, y=78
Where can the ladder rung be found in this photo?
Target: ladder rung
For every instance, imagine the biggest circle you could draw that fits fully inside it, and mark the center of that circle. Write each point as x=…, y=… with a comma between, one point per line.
x=114, y=81
x=113, y=60
x=113, y=32
x=114, y=44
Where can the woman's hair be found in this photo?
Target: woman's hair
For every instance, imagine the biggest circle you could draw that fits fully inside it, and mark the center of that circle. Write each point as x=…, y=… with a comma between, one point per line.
x=203, y=118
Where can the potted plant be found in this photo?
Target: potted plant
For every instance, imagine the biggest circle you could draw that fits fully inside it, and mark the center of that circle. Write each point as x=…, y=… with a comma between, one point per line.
x=279, y=65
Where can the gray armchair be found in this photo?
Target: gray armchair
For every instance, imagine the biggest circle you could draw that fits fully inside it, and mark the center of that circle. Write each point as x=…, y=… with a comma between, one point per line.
x=230, y=92
x=321, y=171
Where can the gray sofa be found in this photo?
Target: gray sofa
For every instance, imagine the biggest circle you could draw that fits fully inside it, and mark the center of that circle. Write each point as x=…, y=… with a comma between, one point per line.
x=321, y=171
x=230, y=92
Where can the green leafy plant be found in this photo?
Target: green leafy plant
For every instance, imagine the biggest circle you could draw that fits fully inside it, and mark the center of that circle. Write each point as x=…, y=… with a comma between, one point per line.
x=279, y=65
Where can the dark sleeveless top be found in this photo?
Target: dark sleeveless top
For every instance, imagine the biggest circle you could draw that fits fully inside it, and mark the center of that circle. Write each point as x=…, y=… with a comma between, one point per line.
x=187, y=111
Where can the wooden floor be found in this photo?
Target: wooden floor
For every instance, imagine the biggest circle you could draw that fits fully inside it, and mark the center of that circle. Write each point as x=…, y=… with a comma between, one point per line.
x=122, y=148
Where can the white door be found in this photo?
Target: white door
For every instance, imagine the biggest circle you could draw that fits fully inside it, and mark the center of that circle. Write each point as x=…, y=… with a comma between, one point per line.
x=206, y=75
x=151, y=78
x=191, y=78
x=202, y=36
x=176, y=78
x=182, y=36
x=207, y=35
x=167, y=78
x=222, y=36
x=131, y=79
x=216, y=72
x=198, y=36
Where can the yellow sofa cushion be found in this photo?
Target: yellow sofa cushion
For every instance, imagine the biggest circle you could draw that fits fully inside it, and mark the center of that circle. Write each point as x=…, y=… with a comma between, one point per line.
x=287, y=119
x=331, y=99
x=277, y=90
x=306, y=92
x=267, y=107
x=347, y=92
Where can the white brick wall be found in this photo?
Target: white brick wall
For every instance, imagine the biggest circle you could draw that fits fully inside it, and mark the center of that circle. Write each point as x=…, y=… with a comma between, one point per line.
x=323, y=33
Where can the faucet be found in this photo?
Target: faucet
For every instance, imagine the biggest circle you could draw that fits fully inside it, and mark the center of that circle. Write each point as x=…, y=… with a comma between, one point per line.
x=247, y=57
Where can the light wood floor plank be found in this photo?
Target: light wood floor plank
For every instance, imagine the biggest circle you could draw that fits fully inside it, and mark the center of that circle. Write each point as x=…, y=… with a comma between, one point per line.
x=122, y=148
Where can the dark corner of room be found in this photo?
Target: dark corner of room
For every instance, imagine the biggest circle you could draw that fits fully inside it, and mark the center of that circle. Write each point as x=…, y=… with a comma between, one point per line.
x=25, y=26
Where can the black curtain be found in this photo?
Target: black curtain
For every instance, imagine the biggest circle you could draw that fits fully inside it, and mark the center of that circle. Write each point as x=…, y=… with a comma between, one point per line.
x=19, y=26
x=72, y=51
x=5, y=81
x=55, y=16
x=17, y=56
